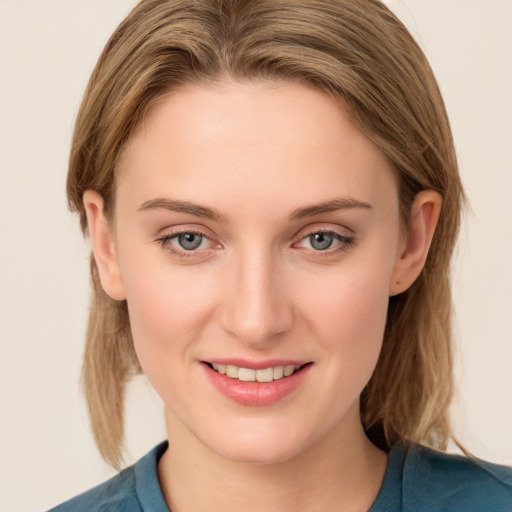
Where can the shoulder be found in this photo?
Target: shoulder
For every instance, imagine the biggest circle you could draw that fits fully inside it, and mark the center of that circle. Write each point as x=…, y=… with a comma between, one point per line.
x=439, y=481
x=116, y=494
x=135, y=489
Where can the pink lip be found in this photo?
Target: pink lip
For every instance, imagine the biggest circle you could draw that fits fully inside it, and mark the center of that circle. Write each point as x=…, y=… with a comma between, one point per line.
x=256, y=393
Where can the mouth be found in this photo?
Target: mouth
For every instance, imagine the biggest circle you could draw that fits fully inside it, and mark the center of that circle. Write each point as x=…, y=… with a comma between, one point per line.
x=264, y=384
x=270, y=374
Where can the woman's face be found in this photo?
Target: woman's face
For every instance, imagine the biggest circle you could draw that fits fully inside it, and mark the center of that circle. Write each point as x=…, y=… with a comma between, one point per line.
x=256, y=228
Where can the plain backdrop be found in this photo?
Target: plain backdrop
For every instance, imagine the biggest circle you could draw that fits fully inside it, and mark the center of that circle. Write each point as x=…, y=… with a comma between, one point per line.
x=47, y=51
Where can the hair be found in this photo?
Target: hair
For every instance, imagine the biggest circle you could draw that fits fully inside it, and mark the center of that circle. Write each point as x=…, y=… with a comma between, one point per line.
x=359, y=53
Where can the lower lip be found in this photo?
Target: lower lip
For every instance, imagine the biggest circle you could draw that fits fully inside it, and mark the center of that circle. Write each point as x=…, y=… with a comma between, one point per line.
x=256, y=393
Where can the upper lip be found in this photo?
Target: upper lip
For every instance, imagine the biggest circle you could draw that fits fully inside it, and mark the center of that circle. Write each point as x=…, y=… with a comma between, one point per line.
x=257, y=365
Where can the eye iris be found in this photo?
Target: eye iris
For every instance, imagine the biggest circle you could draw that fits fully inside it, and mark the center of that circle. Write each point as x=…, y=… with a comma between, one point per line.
x=189, y=241
x=321, y=241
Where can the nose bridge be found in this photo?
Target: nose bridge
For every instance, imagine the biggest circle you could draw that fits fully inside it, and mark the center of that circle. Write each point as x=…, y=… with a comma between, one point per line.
x=255, y=308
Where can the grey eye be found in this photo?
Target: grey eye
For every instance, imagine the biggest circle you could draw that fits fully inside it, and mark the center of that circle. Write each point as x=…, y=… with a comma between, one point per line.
x=189, y=241
x=321, y=241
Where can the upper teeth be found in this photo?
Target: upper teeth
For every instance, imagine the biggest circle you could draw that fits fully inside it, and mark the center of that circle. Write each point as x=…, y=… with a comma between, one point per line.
x=249, y=375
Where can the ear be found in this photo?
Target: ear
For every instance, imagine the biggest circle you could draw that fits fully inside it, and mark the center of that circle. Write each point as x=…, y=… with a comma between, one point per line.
x=416, y=242
x=103, y=246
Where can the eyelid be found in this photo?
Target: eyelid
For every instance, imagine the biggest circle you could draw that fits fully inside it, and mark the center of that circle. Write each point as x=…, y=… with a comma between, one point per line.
x=165, y=237
x=324, y=228
x=343, y=235
x=196, y=229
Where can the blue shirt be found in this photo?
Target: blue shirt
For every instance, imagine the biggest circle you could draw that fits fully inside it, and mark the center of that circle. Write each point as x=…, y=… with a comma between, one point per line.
x=417, y=479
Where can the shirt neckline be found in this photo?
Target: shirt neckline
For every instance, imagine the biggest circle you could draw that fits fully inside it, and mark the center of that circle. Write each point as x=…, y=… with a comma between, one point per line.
x=151, y=498
x=147, y=487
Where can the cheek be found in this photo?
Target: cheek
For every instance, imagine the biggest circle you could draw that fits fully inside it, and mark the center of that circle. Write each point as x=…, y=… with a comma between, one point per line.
x=353, y=300
x=349, y=317
x=168, y=308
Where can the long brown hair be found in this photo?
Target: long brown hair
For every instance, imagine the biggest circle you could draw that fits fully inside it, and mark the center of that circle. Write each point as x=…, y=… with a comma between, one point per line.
x=359, y=53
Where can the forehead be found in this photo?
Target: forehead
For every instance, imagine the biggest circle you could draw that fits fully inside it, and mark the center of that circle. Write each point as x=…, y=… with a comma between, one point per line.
x=254, y=141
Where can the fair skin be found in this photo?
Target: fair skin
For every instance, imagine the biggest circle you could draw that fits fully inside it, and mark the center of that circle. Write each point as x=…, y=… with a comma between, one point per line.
x=252, y=275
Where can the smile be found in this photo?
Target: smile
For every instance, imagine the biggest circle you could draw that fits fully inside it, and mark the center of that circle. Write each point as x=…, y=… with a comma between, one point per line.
x=265, y=385
x=250, y=375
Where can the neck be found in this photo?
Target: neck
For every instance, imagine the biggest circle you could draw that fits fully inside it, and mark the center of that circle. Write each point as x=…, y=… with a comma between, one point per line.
x=343, y=472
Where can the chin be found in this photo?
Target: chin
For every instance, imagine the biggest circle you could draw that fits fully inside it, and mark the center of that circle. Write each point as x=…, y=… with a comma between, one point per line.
x=259, y=447
x=258, y=455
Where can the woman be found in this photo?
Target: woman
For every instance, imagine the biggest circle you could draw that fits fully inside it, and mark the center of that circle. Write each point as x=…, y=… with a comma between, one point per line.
x=272, y=196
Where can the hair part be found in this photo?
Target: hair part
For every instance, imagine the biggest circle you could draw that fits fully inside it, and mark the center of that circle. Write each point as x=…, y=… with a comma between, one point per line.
x=360, y=54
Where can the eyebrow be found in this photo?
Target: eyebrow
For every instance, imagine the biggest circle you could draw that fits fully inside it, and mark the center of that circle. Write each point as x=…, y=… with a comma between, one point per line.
x=344, y=203
x=209, y=213
x=182, y=207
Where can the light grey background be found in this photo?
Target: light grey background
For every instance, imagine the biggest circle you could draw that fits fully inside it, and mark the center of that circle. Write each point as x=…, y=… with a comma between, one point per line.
x=47, y=51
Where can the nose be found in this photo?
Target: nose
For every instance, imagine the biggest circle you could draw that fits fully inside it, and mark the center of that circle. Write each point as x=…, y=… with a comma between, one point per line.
x=256, y=307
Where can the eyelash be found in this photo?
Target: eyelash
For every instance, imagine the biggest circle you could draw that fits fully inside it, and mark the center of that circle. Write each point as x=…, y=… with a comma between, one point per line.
x=345, y=242
x=165, y=242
